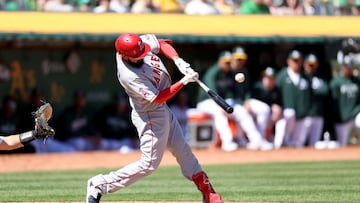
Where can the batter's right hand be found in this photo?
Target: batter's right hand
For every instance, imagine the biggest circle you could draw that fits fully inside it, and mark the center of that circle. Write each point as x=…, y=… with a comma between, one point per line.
x=183, y=66
x=190, y=77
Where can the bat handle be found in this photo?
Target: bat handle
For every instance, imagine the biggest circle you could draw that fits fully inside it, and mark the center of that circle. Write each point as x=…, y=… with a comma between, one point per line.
x=202, y=85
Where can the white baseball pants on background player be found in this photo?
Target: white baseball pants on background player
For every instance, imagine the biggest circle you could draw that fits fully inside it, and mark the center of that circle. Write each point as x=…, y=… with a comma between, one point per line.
x=293, y=132
x=284, y=128
x=240, y=115
x=313, y=127
x=343, y=129
x=221, y=122
x=262, y=113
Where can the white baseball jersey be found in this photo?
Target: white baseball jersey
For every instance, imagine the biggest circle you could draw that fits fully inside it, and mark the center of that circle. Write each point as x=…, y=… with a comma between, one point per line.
x=143, y=84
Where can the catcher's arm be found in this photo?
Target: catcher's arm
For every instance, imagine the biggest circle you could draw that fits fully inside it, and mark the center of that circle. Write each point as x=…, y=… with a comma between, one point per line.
x=42, y=128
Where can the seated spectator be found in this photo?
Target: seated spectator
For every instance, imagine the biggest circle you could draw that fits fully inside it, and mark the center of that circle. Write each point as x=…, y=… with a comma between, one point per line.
x=311, y=7
x=73, y=126
x=11, y=6
x=355, y=7
x=115, y=128
x=83, y=6
x=225, y=6
x=102, y=7
x=201, y=7
x=58, y=6
x=345, y=92
x=341, y=7
x=289, y=7
x=144, y=6
x=170, y=6
x=249, y=7
x=119, y=6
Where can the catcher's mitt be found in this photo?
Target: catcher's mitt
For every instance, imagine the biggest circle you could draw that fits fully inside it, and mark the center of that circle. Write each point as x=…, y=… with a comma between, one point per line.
x=41, y=116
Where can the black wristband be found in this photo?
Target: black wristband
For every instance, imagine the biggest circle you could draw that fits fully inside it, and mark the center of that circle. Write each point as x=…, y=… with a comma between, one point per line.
x=26, y=137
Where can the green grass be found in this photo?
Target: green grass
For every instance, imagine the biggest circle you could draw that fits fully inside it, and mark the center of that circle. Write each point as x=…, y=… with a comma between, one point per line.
x=334, y=181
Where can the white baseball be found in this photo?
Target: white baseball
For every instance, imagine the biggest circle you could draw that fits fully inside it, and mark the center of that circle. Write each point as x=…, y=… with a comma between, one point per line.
x=240, y=77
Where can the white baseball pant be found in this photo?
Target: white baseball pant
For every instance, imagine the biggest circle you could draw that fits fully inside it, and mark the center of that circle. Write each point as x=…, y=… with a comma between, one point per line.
x=262, y=113
x=343, y=129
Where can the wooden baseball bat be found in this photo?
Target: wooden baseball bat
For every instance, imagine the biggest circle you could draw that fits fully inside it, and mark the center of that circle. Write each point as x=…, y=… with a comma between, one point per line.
x=214, y=96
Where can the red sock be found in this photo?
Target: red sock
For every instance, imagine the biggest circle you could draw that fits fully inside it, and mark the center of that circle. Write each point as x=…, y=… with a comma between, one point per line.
x=201, y=180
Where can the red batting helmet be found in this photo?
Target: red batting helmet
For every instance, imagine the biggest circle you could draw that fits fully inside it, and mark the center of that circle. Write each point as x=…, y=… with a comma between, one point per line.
x=131, y=45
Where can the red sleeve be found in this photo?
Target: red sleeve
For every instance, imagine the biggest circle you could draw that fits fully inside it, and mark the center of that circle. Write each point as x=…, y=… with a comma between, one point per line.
x=167, y=93
x=167, y=49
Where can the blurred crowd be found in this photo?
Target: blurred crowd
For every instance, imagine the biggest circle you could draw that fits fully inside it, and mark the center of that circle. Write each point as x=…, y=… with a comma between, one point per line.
x=190, y=7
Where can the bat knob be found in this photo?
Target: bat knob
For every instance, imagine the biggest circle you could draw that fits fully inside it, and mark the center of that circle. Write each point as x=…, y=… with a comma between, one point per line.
x=229, y=109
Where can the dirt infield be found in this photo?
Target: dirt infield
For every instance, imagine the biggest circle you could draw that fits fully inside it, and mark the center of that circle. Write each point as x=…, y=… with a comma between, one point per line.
x=113, y=159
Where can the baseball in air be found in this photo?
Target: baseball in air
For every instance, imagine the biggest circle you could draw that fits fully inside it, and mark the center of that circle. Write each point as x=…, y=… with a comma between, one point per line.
x=240, y=77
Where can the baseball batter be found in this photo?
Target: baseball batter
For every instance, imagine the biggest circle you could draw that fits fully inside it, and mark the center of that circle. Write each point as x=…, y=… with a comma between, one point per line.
x=148, y=84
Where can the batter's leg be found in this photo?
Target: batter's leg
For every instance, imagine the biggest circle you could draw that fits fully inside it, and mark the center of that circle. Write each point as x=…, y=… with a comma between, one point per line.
x=180, y=149
x=153, y=130
x=189, y=164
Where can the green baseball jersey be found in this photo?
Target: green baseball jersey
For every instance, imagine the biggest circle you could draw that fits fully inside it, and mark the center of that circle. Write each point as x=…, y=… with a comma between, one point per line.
x=320, y=91
x=295, y=96
x=346, y=97
x=224, y=84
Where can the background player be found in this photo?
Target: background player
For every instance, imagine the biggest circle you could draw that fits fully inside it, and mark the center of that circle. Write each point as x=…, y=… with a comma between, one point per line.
x=345, y=93
x=314, y=121
x=148, y=84
x=264, y=102
x=295, y=88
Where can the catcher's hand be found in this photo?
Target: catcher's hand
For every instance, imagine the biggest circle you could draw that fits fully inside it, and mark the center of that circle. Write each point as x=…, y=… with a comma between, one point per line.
x=42, y=128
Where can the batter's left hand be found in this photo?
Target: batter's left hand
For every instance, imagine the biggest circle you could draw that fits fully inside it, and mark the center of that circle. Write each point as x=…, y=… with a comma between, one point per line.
x=183, y=66
x=191, y=77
